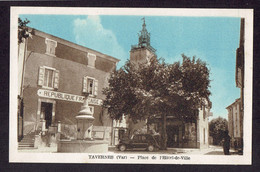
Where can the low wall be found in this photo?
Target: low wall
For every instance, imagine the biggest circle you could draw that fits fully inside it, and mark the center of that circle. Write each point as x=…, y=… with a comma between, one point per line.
x=83, y=146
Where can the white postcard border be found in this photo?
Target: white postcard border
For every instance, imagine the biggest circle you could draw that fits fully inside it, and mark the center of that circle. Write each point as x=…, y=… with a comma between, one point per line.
x=246, y=158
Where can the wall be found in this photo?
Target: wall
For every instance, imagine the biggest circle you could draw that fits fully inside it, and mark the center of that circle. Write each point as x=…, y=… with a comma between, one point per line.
x=72, y=65
x=235, y=122
x=202, y=124
x=140, y=55
x=21, y=48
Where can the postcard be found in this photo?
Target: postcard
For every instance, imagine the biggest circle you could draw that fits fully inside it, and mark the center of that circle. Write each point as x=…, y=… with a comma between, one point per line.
x=132, y=86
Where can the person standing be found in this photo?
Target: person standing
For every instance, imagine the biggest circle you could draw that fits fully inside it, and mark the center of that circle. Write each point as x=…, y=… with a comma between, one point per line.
x=226, y=143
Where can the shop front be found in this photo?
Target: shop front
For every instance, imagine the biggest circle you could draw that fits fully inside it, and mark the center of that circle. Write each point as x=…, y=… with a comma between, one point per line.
x=179, y=135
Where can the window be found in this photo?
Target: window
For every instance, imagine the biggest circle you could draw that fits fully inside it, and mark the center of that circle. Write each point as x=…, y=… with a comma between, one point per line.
x=91, y=60
x=135, y=138
x=48, y=77
x=50, y=46
x=90, y=85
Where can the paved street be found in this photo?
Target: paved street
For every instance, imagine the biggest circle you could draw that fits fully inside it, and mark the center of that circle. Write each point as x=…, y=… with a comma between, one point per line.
x=212, y=150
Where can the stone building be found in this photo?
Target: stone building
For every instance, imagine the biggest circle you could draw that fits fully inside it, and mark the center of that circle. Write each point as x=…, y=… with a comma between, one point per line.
x=236, y=109
x=55, y=75
x=189, y=135
x=235, y=122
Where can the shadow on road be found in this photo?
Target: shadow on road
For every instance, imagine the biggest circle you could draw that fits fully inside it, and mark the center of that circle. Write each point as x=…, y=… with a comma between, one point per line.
x=215, y=153
x=219, y=153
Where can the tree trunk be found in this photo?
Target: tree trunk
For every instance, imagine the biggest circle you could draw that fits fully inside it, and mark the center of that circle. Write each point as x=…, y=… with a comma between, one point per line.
x=183, y=134
x=196, y=129
x=164, y=134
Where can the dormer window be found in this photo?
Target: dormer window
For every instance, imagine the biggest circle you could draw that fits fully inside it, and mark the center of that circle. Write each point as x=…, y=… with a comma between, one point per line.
x=50, y=46
x=91, y=60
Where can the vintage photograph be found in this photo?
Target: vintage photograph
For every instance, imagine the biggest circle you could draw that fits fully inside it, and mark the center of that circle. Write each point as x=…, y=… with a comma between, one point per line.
x=155, y=86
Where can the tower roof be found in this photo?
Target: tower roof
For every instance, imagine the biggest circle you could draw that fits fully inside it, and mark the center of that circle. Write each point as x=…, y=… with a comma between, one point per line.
x=144, y=38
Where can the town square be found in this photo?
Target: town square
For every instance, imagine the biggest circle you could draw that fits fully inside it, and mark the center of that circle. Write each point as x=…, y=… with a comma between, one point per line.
x=131, y=86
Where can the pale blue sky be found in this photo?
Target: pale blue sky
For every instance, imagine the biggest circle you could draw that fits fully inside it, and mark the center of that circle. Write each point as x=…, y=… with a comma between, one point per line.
x=213, y=39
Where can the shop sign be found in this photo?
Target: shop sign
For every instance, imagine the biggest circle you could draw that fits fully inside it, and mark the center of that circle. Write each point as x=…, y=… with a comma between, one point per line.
x=67, y=97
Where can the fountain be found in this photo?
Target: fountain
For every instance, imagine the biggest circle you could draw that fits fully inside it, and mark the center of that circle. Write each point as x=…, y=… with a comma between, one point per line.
x=84, y=142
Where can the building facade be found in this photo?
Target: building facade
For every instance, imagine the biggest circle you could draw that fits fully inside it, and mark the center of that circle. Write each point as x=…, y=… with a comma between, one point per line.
x=234, y=123
x=236, y=109
x=190, y=135
x=56, y=74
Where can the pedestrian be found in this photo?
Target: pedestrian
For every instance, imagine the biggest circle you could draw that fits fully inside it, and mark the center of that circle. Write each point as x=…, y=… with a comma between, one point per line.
x=235, y=144
x=226, y=143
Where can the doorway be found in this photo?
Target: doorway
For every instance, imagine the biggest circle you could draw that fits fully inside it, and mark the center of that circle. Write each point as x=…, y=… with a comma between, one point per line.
x=46, y=111
x=172, y=136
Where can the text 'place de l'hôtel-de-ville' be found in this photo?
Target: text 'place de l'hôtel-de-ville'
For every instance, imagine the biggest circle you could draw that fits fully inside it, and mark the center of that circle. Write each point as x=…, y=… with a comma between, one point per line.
x=53, y=76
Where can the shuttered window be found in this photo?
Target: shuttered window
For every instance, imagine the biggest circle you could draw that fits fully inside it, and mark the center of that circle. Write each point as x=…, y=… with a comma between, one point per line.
x=90, y=85
x=48, y=77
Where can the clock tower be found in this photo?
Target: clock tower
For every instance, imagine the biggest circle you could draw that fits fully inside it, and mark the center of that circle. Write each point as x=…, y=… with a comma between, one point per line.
x=143, y=52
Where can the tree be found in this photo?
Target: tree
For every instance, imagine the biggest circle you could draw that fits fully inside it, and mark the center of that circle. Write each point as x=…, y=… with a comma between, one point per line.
x=217, y=127
x=23, y=34
x=158, y=89
x=23, y=30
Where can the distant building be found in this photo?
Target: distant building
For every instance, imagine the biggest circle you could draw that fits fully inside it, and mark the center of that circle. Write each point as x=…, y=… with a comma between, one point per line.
x=56, y=75
x=190, y=135
x=235, y=122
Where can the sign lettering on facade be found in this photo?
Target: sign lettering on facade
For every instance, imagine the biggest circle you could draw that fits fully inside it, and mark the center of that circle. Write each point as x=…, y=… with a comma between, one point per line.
x=67, y=97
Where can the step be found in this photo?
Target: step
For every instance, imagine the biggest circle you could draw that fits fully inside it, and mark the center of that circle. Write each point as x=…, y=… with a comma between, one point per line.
x=25, y=146
x=26, y=140
x=29, y=140
x=26, y=143
x=22, y=143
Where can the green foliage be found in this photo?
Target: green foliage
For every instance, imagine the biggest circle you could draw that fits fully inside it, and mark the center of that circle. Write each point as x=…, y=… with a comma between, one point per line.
x=149, y=90
x=217, y=127
x=23, y=30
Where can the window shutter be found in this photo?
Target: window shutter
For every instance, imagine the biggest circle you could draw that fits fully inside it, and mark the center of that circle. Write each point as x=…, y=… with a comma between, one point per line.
x=85, y=85
x=56, y=79
x=41, y=76
x=96, y=88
